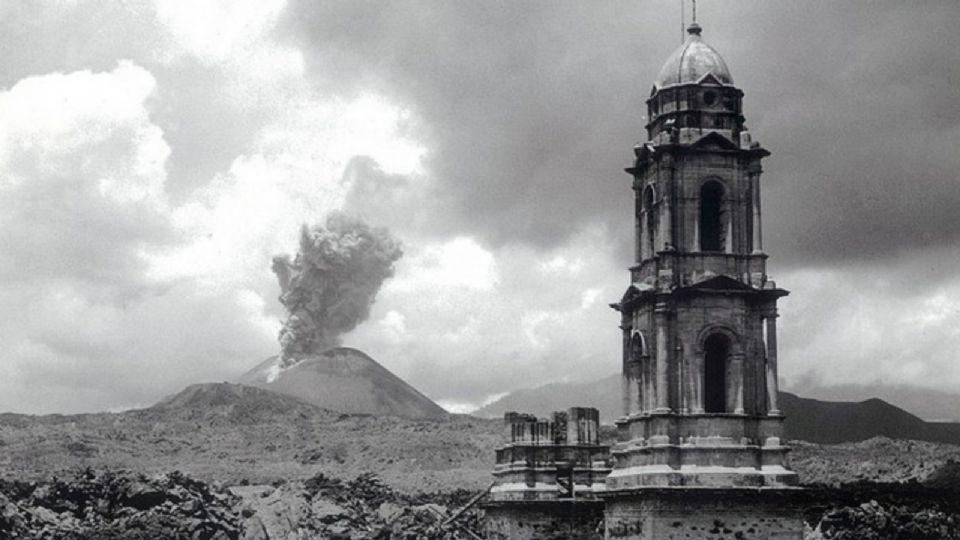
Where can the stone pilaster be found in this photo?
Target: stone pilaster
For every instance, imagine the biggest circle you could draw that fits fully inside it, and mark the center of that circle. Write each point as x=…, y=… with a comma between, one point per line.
x=666, y=221
x=662, y=317
x=771, y=364
x=736, y=382
x=755, y=203
x=697, y=386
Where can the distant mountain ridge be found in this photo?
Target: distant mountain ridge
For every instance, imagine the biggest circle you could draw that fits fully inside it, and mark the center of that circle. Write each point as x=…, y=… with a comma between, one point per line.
x=345, y=380
x=603, y=394
x=928, y=404
x=831, y=422
x=825, y=422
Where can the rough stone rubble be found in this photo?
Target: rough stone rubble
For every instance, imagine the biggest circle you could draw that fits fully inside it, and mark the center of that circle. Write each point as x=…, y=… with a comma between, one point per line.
x=125, y=506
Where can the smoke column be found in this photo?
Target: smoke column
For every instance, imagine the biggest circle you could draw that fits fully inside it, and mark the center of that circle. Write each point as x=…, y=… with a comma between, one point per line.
x=330, y=285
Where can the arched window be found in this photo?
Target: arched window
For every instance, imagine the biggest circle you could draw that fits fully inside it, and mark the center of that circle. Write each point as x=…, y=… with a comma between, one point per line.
x=711, y=216
x=636, y=348
x=716, y=350
x=650, y=221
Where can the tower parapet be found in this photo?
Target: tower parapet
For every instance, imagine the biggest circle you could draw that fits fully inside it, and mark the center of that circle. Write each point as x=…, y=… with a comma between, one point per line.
x=551, y=459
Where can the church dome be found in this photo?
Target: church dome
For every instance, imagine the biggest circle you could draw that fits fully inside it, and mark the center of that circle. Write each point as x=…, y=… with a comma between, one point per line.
x=692, y=61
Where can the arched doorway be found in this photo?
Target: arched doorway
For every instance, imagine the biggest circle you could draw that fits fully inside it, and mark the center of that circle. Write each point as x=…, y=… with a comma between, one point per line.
x=716, y=351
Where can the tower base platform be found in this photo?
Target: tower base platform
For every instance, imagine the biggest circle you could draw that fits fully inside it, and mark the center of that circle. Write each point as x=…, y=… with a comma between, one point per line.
x=704, y=513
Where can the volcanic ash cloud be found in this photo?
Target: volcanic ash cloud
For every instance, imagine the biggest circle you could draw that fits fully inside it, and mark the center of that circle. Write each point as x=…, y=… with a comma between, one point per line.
x=330, y=285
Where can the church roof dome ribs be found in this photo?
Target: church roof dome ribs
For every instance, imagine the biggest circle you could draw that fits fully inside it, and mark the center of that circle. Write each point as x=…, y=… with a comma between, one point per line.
x=692, y=62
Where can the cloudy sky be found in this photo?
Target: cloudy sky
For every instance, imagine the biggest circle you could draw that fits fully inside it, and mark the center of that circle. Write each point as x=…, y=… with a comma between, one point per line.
x=154, y=156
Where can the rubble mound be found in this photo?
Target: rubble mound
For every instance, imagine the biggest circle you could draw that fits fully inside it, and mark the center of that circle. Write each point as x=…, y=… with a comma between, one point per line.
x=875, y=460
x=344, y=380
x=117, y=506
x=362, y=508
x=897, y=511
x=946, y=477
x=106, y=505
x=888, y=521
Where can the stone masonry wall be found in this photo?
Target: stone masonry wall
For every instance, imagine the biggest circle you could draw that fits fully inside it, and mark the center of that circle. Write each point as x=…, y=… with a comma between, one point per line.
x=708, y=515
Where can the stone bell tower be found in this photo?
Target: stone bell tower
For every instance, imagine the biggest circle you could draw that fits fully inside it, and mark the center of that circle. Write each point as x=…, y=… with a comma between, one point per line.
x=700, y=448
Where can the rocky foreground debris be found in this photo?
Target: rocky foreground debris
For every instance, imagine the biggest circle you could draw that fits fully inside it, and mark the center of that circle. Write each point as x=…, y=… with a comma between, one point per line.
x=324, y=507
x=109, y=505
x=121, y=505
x=886, y=521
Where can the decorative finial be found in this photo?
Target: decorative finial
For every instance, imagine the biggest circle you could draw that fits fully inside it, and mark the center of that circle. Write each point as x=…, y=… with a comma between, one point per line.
x=694, y=29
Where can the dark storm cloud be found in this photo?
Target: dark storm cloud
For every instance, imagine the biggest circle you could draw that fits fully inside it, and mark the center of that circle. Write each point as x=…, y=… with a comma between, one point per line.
x=531, y=108
x=857, y=102
x=528, y=127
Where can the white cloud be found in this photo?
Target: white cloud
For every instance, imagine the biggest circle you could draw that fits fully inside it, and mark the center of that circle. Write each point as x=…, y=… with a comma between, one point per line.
x=83, y=167
x=560, y=264
x=457, y=263
x=857, y=325
x=469, y=333
x=243, y=217
x=219, y=31
x=113, y=275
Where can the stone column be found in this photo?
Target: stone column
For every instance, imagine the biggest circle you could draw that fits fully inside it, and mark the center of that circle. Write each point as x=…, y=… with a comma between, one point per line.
x=696, y=386
x=684, y=379
x=771, y=364
x=625, y=391
x=662, y=315
x=696, y=232
x=637, y=225
x=665, y=221
x=638, y=386
x=757, y=227
x=625, y=376
x=635, y=404
x=735, y=385
x=646, y=385
x=644, y=232
x=729, y=214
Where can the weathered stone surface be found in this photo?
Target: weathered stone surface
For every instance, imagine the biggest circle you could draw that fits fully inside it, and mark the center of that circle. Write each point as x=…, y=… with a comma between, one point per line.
x=582, y=520
x=675, y=514
x=363, y=508
x=547, y=476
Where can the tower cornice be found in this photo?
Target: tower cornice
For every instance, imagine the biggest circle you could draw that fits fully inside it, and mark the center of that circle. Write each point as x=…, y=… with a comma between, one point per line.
x=649, y=153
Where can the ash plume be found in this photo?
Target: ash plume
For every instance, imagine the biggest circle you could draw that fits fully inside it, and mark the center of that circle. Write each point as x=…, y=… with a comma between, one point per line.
x=330, y=285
